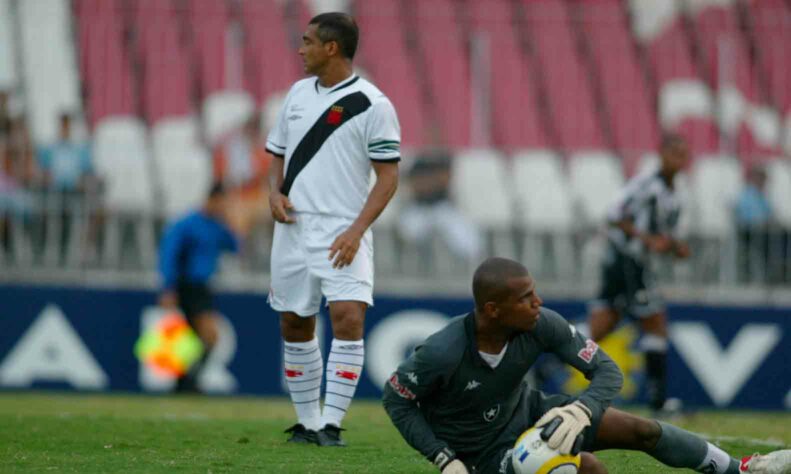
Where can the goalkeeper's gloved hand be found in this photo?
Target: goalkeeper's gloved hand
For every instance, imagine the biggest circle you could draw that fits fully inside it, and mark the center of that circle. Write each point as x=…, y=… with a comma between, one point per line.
x=565, y=434
x=446, y=461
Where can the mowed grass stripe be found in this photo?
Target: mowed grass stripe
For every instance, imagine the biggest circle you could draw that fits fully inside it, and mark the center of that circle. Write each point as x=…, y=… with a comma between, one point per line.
x=112, y=433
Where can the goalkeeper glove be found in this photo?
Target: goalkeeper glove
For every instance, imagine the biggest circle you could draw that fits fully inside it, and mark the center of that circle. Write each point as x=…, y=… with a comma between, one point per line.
x=446, y=461
x=565, y=435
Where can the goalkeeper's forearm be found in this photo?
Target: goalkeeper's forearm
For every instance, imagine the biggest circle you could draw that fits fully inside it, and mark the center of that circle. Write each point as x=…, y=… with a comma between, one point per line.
x=412, y=425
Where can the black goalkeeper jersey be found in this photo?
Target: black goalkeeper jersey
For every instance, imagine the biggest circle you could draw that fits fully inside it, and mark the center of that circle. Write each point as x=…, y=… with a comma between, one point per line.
x=446, y=395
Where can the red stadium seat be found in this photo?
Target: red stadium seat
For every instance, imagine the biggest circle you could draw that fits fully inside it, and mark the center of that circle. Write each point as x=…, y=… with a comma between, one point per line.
x=515, y=118
x=381, y=29
x=771, y=26
x=271, y=62
x=446, y=67
x=622, y=82
x=104, y=59
x=684, y=100
x=569, y=94
x=209, y=24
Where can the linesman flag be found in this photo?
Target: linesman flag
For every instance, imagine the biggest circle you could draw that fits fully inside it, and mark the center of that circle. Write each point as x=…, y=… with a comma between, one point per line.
x=170, y=347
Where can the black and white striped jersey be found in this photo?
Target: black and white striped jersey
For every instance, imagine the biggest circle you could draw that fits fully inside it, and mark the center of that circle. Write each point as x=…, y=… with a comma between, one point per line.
x=651, y=205
x=328, y=137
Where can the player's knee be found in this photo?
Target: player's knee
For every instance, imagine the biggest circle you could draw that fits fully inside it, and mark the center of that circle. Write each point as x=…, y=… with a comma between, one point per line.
x=348, y=319
x=646, y=433
x=591, y=465
x=297, y=329
x=348, y=327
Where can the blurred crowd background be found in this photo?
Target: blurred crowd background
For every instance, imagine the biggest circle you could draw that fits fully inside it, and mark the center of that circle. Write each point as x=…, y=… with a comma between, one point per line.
x=521, y=121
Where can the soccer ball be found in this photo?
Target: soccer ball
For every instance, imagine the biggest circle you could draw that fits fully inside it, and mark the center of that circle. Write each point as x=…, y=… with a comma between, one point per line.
x=531, y=455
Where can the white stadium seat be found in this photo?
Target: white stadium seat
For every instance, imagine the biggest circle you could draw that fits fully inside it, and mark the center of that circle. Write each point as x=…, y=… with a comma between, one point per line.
x=541, y=189
x=596, y=178
x=123, y=162
x=650, y=17
x=778, y=189
x=716, y=183
x=684, y=98
x=8, y=72
x=49, y=65
x=480, y=188
x=546, y=210
x=174, y=132
x=184, y=177
x=224, y=112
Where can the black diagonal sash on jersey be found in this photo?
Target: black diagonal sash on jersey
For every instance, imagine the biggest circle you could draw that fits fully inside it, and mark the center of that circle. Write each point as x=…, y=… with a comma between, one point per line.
x=347, y=107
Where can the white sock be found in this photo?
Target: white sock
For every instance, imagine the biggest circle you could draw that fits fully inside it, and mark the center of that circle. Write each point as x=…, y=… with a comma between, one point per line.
x=303, y=366
x=344, y=367
x=716, y=461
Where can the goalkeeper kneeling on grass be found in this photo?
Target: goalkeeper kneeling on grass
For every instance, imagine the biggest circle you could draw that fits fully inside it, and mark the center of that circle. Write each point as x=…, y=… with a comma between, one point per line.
x=461, y=400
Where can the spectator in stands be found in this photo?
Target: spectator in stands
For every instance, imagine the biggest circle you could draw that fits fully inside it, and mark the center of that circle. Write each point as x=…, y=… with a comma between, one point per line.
x=431, y=211
x=5, y=118
x=754, y=222
x=69, y=179
x=242, y=165
x=18, y=175
x=188, y=258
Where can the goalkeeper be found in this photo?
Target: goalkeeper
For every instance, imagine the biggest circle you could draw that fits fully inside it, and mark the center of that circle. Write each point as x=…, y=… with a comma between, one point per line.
x=460, y=398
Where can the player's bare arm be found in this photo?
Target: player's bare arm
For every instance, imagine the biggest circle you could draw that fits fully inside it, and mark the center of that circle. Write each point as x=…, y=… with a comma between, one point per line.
x=345, y=246
x=279, y=205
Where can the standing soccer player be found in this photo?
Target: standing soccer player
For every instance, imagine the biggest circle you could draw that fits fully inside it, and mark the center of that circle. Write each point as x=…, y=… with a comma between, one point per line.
x=331, y=130
x=643, y=220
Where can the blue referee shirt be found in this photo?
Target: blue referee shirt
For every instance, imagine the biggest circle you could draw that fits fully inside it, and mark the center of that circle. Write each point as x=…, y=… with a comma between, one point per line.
x=190, y=249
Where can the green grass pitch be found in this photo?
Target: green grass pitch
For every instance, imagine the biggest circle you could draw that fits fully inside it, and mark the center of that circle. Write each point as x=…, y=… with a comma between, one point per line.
x=53, y=432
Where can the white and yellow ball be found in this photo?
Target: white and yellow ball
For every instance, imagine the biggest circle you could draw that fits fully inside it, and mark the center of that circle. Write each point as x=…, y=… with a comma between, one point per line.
x=531, y=455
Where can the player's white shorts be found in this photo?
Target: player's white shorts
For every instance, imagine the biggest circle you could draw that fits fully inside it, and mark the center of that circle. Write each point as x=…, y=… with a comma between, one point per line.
x=302, y=273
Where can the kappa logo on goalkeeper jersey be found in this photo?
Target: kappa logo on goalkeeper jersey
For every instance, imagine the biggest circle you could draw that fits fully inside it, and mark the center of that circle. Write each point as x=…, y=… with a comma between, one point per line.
x=400, y=389
x=587, y=352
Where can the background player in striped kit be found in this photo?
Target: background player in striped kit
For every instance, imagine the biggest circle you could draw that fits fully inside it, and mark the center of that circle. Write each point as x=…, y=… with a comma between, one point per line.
x=643, y=220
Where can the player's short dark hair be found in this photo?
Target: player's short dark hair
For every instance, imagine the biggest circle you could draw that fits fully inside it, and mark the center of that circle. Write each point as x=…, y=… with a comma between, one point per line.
x=217, y=189
x=338, y=27
x=670, y=139
x=490, y=281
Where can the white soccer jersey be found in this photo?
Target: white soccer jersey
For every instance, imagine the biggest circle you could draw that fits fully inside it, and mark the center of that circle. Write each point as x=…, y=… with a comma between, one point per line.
x=651, y=205
x=328, y=138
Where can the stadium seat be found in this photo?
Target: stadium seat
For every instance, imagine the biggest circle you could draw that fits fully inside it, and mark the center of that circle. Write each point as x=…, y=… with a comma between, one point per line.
x=183, y=166
x=545, y=210
x=778, y=189
x=686, y=105
x=771, y=28
x=184, y=177
x=685, y=101
x=8, y=72
x=173, y=133
x=508, y=82
x=322, y=6
x=389, y=70
x=122, y=160
x=49, y=65
x=595, y=178
x=621, y=79
x=480, y=187
x=225, y=111
x=209, y=22
x=716, y=183
x=567, y=82
x=271, y=62
x=446, y=67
